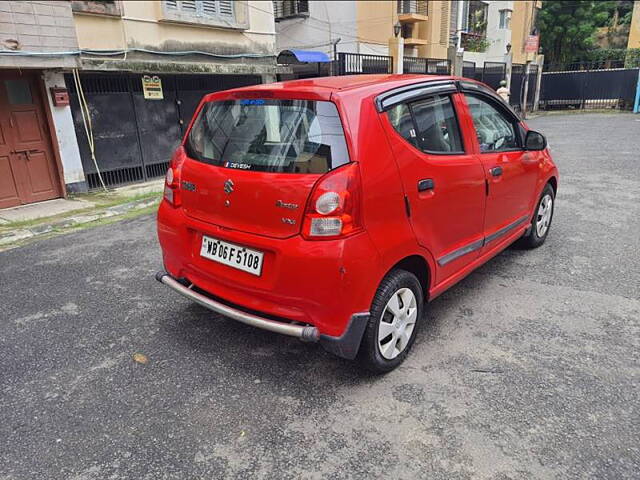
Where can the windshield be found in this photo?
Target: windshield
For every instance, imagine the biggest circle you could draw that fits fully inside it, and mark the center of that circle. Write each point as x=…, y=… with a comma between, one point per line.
x=283, y=136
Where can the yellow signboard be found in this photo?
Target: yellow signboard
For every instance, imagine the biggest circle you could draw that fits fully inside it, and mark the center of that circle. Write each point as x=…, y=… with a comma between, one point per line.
x=152, y=87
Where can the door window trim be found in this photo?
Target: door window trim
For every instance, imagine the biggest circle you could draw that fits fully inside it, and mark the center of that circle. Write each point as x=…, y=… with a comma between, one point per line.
x=413, y=92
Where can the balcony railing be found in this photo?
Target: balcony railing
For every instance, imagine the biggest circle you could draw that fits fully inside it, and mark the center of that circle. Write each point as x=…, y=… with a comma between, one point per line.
x=283, y=9
x=474, y=42
x=419, y=7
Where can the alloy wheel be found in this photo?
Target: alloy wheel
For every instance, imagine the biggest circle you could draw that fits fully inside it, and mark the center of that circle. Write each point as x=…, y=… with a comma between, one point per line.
x=397, y=323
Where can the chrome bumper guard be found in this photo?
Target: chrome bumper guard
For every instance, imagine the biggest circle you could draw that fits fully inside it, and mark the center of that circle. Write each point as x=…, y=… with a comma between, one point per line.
x=305, y=333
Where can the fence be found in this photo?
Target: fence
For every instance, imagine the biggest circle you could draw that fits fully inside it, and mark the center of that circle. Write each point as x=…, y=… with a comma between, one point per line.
x=493, y=73
x=126, y=126
x=426, y=65
x=355, y=63
x=469, y=69
x=579, y=66
x=490, y=73
x=420, y=7
x=518, y=81
x=586, y=89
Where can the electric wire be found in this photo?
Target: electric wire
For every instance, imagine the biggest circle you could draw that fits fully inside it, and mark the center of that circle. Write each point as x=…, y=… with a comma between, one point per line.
x=86, y=121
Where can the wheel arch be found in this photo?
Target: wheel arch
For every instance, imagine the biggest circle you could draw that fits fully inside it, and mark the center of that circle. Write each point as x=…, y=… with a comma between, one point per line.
x=553, y=181
x=417, y=265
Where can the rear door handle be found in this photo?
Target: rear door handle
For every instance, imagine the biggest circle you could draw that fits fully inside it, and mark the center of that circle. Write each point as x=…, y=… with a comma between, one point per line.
x=495, y=171
x=425, y=184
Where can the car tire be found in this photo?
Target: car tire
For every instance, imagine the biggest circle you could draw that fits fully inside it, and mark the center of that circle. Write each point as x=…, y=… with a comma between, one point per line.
x=541, y=221
x=389, y=336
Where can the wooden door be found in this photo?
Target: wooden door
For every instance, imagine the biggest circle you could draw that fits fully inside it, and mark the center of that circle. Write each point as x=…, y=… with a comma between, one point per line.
x=28, y=172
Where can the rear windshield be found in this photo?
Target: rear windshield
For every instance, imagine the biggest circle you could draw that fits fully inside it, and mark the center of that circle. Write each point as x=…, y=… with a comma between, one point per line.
x=283, y=136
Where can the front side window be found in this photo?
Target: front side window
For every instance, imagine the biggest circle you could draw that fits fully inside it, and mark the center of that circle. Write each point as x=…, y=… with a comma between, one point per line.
x=281, y=136
x=496, y=132
x=428, y=124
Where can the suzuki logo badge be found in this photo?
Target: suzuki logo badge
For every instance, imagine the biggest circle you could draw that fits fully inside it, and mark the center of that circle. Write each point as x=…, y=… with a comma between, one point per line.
x=228, y=187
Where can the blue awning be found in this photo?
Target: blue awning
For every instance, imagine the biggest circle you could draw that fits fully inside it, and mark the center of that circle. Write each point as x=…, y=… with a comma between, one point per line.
x=289, y=57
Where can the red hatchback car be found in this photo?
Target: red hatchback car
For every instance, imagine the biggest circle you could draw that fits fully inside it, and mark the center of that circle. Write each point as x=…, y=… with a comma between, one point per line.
x=331, y=209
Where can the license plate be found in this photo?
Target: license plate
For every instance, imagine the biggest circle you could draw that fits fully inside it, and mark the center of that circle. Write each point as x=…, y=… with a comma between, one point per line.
x=233, y=255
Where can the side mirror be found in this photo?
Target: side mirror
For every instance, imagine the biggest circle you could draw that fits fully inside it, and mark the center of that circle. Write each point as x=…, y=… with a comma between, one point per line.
x=534, y=141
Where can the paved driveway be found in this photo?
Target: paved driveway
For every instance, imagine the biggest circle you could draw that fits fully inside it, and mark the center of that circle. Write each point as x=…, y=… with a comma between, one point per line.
x=529, y=368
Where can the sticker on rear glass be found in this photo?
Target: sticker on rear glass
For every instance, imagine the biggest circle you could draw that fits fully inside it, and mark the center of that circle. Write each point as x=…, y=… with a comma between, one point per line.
x=252, y=101
x=241, y=166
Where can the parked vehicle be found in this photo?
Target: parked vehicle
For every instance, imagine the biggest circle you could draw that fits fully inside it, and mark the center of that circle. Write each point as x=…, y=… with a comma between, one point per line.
x=332, y=209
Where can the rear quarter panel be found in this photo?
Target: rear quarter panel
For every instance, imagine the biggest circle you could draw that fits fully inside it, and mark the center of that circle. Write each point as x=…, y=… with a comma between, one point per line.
x=384, y=209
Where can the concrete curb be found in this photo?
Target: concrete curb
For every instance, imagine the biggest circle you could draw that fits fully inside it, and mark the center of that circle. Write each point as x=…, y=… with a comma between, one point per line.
x=74, y=220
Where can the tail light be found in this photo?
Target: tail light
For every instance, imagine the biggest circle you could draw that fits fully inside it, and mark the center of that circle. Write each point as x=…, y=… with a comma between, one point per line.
x=172, y=180
x=333, y=209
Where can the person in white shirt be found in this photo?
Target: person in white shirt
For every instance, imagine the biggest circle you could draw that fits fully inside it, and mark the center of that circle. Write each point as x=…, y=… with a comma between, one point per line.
x=503, y=91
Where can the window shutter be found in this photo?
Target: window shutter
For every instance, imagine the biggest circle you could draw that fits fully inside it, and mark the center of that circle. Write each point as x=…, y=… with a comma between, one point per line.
x=444, y=23
x=209, y=8
x=188, y=6
x=225, y=8
x=465, y=17
x=205, y=8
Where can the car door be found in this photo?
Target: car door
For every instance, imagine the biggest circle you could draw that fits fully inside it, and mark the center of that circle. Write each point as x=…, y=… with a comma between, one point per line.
x=443, y=180
x=511, y=172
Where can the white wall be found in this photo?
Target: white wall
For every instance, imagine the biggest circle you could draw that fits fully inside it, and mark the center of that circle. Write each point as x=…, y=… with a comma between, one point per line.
x=373, y=48
x=498, y=37
x=327, y=22
x=65, y=131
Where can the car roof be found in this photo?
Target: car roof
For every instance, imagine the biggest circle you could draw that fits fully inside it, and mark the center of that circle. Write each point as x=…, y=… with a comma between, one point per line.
x=371, y=83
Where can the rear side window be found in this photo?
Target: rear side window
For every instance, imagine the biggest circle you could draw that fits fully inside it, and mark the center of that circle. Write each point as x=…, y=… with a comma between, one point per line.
x=429, y=124
x=437, y=126
x=401, y=119
x=280, y=136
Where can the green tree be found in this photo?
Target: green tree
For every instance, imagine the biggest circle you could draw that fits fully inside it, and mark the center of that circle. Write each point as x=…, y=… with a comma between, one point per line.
x=567, y=28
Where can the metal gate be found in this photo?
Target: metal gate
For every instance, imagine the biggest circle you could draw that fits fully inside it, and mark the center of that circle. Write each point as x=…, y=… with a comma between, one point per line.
x=493, y=73
x=611, y=88
x=518, y=80
x=355, y=63
x=134, y=136
x=432, y=66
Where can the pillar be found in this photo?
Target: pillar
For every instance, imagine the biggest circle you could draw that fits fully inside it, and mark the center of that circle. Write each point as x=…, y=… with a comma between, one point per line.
x=396, y=50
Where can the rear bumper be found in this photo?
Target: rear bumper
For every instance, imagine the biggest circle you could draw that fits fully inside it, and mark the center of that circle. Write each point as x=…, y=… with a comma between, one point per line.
x=317, y=283
x=302, y=332
x=346, y=345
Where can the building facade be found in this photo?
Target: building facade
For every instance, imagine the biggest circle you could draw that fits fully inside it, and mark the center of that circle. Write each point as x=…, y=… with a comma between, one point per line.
x=634, y=28
x=364, y=26
x=486, y=30
x=38, y=151
x=142, y=68
x=525, y=38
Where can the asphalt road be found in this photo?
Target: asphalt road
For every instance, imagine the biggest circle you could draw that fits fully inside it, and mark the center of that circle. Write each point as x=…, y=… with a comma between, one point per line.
x=529, y=368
